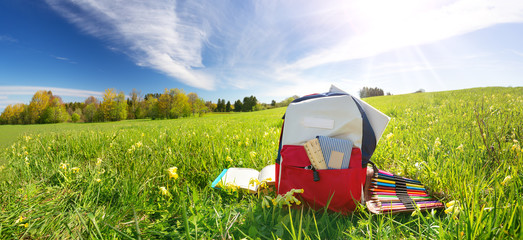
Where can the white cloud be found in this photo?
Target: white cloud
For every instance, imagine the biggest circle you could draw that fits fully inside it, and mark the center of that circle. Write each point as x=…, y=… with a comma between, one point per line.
x=30, y=90
x=163, y=35
x=277, y=45
x=517, y=52
x=407, y=23
x=7, y=38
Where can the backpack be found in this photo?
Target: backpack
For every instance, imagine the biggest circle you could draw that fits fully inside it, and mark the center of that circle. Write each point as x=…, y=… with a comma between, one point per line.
x=334, y=115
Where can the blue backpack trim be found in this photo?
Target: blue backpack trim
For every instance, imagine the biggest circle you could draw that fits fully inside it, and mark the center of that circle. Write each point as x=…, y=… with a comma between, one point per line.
x=368, y=139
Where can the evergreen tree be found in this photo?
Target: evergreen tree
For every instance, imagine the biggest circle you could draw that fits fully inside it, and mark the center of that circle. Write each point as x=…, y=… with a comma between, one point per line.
x=238, y=106
x=228, y=106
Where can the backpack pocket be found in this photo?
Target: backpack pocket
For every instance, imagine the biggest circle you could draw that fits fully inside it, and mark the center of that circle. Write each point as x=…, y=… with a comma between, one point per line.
x=339, y=189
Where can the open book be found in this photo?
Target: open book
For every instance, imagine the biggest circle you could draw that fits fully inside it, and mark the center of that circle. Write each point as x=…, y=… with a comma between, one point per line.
x=245, y=178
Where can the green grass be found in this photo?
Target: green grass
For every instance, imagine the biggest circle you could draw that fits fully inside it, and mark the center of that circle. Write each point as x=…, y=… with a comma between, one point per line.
x=463, y=145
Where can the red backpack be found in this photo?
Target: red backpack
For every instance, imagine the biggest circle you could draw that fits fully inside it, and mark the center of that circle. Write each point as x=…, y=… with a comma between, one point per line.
x=337, y=116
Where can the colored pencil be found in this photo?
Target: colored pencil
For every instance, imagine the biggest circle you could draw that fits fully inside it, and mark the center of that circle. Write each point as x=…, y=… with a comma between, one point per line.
x=390, y=193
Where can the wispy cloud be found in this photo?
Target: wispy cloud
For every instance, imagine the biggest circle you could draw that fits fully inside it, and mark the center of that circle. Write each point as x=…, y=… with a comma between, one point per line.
x=254, y=44
x=7, y=38
x=397, y=25
x=517, y=52
x=63, y=59
x=30, y=90
x=159, y=34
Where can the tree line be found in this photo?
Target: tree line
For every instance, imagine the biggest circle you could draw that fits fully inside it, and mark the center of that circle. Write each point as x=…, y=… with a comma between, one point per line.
x=248, y=104
x=172, y=103
x=372, y=92
x=48, y=108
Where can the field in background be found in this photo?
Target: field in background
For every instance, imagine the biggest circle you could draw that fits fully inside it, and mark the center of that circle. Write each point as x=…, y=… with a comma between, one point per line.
x=112, y=180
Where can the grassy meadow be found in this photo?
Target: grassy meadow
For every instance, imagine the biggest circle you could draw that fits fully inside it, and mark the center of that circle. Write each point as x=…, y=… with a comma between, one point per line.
x=117, y=180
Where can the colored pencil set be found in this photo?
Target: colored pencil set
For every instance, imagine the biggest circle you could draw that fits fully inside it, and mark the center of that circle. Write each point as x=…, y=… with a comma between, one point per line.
x=392, y=193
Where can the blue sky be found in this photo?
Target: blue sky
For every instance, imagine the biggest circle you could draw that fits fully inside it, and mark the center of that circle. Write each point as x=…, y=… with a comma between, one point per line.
x=269, y=49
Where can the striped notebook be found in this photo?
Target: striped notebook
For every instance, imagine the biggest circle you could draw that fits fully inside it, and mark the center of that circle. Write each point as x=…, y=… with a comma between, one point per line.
x=336, y=152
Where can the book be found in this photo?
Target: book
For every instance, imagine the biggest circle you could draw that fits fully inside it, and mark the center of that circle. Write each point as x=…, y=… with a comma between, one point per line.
x=336, y=152
x=245, y=178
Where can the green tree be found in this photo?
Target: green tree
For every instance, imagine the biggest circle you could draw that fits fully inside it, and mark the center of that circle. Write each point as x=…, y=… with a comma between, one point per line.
x=121, y=107
x=220, y=105
x=13, y=114
x=75, y=117
x=370, y=92
x=55, y=112
x=200, y=107
x=197, y=104
x=38, y=105
x=228, y=106
x=238, y=106
x=108, y=105
x=135, y=104
x=164, y=104
x=180, y=106
x=249, y=103
x=90, y=112
x=114, y=106
x=151, y=105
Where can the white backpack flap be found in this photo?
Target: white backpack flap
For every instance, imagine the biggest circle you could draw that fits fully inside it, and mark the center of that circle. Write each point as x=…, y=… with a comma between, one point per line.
x=331, y=116
x=377, y=119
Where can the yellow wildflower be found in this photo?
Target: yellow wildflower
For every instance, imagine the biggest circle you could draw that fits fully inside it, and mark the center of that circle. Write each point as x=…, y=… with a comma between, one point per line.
x=164, y=191
x=63, y=166
x=173, y=172
x=253, y=154
x=97, y=180
x=228, y=159
x=98, y=161
x=437, y=143
x=460, y=147
x=75, y=169
x=515, y=147
x=139, y=144
x=506, y=180
x=231, y=186
x=390, y=135
x=254, y=182
x=452, y=207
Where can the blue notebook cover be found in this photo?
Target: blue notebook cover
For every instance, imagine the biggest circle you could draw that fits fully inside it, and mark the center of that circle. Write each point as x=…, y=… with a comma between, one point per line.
x=329, y=144
x=217, y=180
